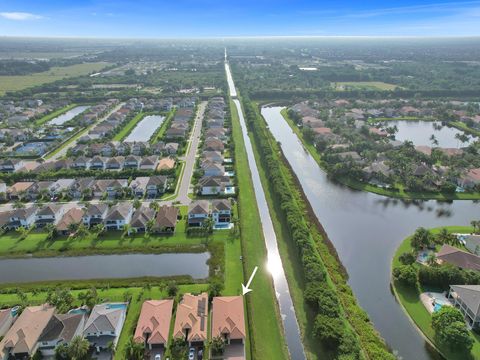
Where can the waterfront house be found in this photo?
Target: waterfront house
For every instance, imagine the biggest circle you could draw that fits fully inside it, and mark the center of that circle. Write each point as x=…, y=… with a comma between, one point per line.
x=49, y=214
x=21, y=341
x=213, y=185
x=60, y=330
x=212, y=168
x=105, y=324
x=118, y=216
x=141, y=218
x=470, y=179
x=221, y=211
x=467, y=299
x=228, y=319
x=191, y=319
x=472, y=243
x=462, y=259
x=7, y=316
x=213, y=144
x=95, y=214
x=73, y=216
x=213, y=156
x=23, y=217
x=198, y=212
x=153, y=325
x=165, y=220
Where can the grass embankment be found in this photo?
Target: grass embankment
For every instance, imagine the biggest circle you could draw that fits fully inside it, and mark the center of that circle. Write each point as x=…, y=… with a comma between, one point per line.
x=158, y=135
x=409, y=298
x=54, y=114
x=461, y=126
x=399, y=193
x=127, y=129
x=20, y=82
x=354, y=317
x=263, y=317
x=363, y=85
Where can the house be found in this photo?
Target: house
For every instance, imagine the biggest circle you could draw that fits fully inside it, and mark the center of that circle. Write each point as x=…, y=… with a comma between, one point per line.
x=118, y=216
x=221, y=211
x=212, y=169
x=139, y=148
x=228, y=319
x=11, y=165
x=81, y=163
x=148, y=162
x=171, y=148
x=60, y=186
x=470, y=179
x=153, y=325
x=378, y=132
x=131, y=162
x=213, y=156
x=81, y=187
x=18, y=190
x=73, y=216
x=198, y=212
x=97, y=163
x=60, y=330
x=39, y=188
x=166, y=219
x=95, y=214
x=140, y=219
x=467, y=299
x=115, y=163
x=462, y=259
x=191, y=319
x=7, y=317
x=166, y=164
x=213, y=144
x=22, y=218
x=139, y=186
x=3, y=191
x=21, y=340
x=213, y=185
x=472, y=243
x=110, y=187
x=105, y=324
x=156, y=185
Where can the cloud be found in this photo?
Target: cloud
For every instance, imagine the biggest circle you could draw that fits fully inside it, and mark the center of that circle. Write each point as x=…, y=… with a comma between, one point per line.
x=20, y=16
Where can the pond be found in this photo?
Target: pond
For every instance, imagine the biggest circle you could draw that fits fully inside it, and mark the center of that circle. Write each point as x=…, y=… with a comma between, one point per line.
x=420, y=132
x=103, y=267
x=67, y=116
x=366, y=229
x=145, y=128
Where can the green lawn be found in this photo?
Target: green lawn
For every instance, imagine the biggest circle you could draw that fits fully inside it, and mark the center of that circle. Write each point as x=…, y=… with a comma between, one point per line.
x=71, y=139
x=127, y=129
x=410, y=300
x=54, y=114
x=461, y=126
x=264, y=321
x=158, y=135
x=20, y=82
x=363, y=85
x=358, y=185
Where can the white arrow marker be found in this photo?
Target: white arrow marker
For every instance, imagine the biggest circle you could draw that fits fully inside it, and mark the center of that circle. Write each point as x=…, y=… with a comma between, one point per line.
x=246, y=289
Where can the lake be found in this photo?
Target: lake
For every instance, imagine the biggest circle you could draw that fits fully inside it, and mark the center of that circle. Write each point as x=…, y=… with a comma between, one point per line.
x=103, y=267
x=67, y=116
x=366, y=229
x=419, y=133
x=145, y=128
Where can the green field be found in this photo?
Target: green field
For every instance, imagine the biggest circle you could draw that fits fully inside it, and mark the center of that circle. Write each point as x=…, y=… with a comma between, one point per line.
x=409, y=299
x=20, y=82
x=362, y=85
x=264, y=321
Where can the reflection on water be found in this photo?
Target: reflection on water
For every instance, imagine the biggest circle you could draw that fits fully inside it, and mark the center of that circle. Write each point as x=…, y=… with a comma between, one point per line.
x=366, y=229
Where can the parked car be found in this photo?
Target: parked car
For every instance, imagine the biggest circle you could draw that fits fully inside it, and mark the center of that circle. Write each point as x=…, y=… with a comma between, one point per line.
x=191, y=354
x=158, y=357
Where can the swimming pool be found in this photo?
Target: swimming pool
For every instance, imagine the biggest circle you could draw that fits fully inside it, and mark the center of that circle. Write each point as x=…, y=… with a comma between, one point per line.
x=117, y=306
x=437, y=307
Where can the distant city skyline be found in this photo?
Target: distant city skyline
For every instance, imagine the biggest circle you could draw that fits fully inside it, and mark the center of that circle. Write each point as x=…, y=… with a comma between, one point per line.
x=214, y=18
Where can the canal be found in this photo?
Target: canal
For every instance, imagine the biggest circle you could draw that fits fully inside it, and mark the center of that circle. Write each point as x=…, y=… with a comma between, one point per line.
x=103, y=267
x=366, y=229
x=274, y=261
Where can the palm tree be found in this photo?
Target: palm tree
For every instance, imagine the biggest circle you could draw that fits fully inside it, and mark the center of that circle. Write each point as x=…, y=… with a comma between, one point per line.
x=22, y=231
x=127, y=230
x=135, y=350
x=473, y=223
x=154, y=205
x=78, y=348
x=434, y=140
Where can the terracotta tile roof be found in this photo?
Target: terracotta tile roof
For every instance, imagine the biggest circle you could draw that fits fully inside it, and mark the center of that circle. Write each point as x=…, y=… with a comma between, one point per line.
x=166, y=217
x=192, y=314
x=154, y=322
x=228, y=317
x=72, y=216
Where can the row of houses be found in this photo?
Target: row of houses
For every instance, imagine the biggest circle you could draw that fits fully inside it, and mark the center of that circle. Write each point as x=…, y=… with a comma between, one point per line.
x=113, y=148
x=42, y=329
x=180, y=124
x=152, y=162
x=216, y=180
x=88, y=187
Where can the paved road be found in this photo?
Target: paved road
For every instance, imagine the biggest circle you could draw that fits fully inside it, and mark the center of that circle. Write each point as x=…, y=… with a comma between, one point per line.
x=190, y=157
x=63, y=152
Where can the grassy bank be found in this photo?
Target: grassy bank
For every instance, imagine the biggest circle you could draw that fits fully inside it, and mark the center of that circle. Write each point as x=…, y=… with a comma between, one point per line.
x=158, y=135
x=264, y=321
x=409, y=299
x=54, y=114
x=399, y=193
x=461, y=126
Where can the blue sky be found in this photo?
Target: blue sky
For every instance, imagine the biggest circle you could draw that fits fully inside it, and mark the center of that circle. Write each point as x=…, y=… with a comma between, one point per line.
x=215, y=18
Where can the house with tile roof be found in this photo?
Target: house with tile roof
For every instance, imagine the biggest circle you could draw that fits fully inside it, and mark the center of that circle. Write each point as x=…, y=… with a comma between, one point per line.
x=462, y=259
x=105, y=324
x=73, y=216
x=21, y=340
x=141, y=218
x=7, y=316
x=228, y=320
x=95, y=214
x=153, y=325
x=118, y=216
x=165, y=220
x=198, y=212
x=60, y=330
x=191, y=319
